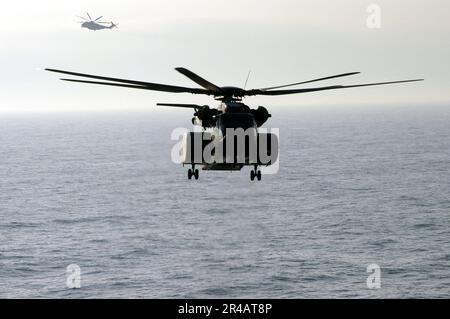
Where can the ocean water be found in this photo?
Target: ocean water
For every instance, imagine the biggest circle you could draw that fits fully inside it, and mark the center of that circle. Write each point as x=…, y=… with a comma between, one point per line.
x=356, y=186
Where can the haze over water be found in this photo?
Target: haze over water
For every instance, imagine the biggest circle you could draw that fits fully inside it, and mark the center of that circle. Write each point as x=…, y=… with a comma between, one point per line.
x=356, y=186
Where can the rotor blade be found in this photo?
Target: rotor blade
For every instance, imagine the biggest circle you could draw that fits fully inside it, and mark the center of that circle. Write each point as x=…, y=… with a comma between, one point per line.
x=89, y=16
x=146, y=85
x=310, y=81
x=199, y=80
x=192, y=106
x=284, y=92
x=98, y=18
x=131, y=86
x=82, y=18
x=108, y=83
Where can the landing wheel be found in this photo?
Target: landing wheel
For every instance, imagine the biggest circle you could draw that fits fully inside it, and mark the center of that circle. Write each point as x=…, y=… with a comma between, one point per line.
x=190, y=174
x=196, y=174
x=255, y=173
x=258, y=175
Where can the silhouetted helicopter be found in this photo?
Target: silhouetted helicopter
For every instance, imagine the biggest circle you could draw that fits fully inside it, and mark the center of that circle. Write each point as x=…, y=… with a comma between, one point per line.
x=95, y=24
x=230, y=114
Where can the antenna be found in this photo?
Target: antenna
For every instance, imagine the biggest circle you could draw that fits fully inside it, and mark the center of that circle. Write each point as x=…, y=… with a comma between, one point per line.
x=248, y=77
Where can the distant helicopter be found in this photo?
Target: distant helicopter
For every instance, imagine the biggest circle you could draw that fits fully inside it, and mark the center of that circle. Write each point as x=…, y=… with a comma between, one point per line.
x=231, y=113
x=94, y=25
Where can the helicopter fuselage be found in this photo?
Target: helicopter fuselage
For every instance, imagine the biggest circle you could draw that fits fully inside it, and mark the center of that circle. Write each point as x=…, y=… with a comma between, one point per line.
x=231, y=121
x=91, y=25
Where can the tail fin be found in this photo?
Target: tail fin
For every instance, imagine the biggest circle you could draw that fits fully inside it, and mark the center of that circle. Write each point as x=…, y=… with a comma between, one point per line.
x=113, y=25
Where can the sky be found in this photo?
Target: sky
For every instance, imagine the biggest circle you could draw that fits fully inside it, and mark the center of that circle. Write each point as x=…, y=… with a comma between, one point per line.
x=280, y=41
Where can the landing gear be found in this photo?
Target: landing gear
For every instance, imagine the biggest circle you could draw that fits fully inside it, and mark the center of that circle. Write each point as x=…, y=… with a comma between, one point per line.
x=193, y=172
x=255, y=173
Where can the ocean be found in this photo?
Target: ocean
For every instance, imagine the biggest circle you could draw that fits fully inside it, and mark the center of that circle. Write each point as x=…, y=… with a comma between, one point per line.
x=356, y=186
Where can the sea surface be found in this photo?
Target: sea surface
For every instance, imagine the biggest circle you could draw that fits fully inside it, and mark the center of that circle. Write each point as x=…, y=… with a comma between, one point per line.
x=356, y=186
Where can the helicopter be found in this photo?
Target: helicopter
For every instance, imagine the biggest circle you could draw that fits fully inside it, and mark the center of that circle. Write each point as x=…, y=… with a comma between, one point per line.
x=231, y=113
x=95, y=25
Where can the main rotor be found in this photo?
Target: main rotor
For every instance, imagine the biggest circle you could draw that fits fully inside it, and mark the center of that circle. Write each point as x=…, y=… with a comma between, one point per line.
x=90, y=20
x=225, y=94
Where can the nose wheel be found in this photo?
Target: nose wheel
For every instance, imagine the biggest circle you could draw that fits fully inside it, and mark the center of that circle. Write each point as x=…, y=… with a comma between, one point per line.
x=193, y=172
x=256, y=173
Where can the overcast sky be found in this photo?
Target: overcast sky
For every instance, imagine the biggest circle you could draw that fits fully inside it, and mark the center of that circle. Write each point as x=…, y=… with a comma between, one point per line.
x=281, y=41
